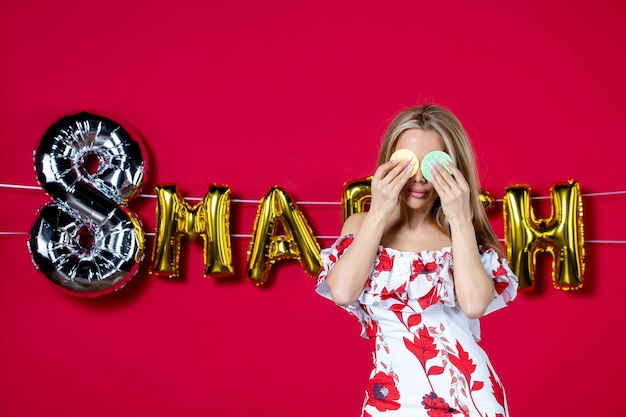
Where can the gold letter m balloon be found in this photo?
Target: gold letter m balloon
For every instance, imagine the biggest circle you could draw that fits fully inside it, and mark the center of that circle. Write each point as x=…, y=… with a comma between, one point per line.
x=561, y=235
x=209, y=219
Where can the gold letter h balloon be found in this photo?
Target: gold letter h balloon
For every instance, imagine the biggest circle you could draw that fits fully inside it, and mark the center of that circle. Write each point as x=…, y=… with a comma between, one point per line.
x=561, y=235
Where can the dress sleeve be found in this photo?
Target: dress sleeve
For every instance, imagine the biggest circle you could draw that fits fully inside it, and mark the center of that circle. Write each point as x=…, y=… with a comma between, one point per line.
x=504, y=286
x=329, y=258
x=505, y=283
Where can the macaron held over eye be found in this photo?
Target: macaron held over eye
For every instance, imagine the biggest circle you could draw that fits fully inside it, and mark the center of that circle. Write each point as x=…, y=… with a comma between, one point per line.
x=431, y=159
x=406, y=154
x=427, y=163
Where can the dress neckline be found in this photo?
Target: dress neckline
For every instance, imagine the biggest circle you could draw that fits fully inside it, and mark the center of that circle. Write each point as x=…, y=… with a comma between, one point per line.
x=445, y=249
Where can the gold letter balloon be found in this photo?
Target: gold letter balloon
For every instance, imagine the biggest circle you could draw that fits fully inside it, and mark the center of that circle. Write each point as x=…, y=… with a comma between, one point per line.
x=356, y=194
x=175, y=218
x=561, y=235
x=267, y=247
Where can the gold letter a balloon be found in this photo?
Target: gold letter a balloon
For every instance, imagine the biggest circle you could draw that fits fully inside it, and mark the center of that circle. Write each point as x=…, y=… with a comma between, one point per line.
x=266, y=247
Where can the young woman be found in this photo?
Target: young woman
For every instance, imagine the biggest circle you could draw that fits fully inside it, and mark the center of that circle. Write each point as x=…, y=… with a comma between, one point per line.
x=418, y=270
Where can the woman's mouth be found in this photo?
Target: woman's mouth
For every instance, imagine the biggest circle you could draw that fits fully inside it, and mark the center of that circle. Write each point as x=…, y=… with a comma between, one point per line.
x=416, y=193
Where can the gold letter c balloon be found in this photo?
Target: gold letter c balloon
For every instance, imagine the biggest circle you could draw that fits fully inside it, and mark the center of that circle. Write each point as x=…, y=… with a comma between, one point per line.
x=356, y=194
x=561, y=235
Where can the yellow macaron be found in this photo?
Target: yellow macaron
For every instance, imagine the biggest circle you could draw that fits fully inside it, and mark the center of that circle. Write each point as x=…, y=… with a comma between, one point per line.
x=406, y=154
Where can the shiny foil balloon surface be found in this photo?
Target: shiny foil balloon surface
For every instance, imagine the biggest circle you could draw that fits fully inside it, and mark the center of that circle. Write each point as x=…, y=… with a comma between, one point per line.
x=209, y=219
x=88, y=241
x=561, y=235
x=356, y=194
x=267, y=247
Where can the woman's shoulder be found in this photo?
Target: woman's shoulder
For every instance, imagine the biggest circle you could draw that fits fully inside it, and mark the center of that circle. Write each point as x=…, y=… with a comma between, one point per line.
x=353, y=223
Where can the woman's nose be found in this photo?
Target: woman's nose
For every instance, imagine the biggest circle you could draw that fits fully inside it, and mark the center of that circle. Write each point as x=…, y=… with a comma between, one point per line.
x=418, y=177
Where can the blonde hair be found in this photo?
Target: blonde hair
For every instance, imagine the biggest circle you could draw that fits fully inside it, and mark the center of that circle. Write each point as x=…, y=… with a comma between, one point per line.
x=458, y=146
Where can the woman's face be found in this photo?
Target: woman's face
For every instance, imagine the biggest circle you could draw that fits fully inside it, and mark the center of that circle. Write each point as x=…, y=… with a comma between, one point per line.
x=419, y=193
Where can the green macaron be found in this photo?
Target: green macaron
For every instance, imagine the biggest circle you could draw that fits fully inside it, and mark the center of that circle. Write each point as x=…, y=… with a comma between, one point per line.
x=429, y=160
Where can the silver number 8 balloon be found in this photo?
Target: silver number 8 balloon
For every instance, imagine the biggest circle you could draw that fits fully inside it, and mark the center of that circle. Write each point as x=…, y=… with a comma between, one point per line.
x=88, y=241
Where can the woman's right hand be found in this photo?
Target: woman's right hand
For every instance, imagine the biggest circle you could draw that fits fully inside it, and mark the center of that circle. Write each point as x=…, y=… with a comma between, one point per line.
x=387, y=182
x=348, y=276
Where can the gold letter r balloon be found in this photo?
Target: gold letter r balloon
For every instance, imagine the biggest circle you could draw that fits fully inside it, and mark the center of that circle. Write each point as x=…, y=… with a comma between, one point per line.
x=561, y=235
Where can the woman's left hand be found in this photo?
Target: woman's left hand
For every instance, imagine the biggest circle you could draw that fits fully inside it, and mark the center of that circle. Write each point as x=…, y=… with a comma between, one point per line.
x=453, y=191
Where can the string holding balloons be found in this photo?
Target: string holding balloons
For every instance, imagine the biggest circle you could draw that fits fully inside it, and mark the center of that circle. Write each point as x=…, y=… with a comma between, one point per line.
x=89, y=243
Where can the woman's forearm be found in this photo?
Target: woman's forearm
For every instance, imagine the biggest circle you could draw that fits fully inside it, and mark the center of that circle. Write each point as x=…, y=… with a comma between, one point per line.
x=473, y=287
x=349, y=274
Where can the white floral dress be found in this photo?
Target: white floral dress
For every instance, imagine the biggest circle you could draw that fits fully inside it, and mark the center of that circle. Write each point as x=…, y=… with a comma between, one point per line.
x=427, y=361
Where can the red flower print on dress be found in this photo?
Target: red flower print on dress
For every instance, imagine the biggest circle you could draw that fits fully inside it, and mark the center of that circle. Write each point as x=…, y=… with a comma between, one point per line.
x=420, y=268
x=422, y=346
x=382, y=392
x=395, y=293
x=343, y=245
x=385, y=262
x=498, y=390
x=463, y=362
x=465, y=366
x=437, y=406
x=500, y=286
x=371, y=331
x=430, y=298
x=371, y=328
x=500, y=272
x=413, y=320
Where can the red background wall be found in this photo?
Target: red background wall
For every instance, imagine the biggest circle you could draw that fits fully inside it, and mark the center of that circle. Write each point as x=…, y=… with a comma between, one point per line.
x=297, y=94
